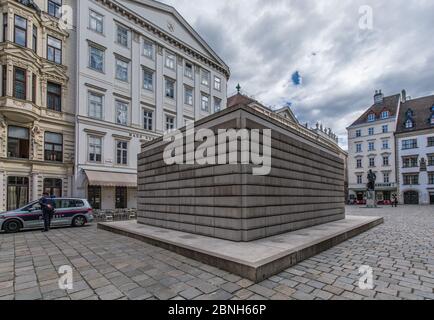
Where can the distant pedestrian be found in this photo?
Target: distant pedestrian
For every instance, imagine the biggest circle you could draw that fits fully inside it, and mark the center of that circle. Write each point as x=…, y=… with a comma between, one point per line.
x=48, y=206
x=395, y=201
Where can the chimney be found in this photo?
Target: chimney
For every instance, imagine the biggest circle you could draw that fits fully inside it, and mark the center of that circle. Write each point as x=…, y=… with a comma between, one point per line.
x=403, y=96
x=378, y=97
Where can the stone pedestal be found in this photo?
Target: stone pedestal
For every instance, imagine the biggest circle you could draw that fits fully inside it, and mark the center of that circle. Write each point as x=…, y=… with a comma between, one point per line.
x=371, y=199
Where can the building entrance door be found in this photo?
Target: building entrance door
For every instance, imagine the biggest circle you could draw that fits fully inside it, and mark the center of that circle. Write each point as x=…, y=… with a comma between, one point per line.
x=411, y=197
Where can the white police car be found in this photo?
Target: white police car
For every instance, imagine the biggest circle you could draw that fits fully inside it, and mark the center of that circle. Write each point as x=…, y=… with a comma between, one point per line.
x=68, y=212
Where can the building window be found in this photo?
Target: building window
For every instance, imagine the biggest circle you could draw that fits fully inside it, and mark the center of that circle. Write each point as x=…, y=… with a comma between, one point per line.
x=170, y=123
x=20, y=31
x=5, y=27
x=205, y=77
x=53, y=147
x=94, y=197
x=188, y=96
x=148, y=79
x=217, y=104
x=122, y=35
x=410, y=162
x=170, y=88
x=95, y=149
x=20, y=83
x=54, y=50
x=148, y=120
x=431, y=160
x=409, y=144
x=122, y=153
x=386, y=161
x=371, y=146
x=359, y=179
x=431, y=178
x=188, y=71
x=386, y=177
x=4, y=79
x=18, y=192
x=96, y=22
x=53, y=187
x=358, y=133
x=217, y=84
x=385, y=144
x=96, y=59
x=148, y=49
x=95, y=105
x=122, y=70
x=359, y=163
x=430, y=141
x=170, y=60
x=34, y=87
x=371, y=162
x=371, y=117
x=385, y=115
x=54, y=96
x=18, y=142
x=410, y=179
x=358, y=147
x=409, y=124
x=204, y=103
x=54, y=7
x=121, y=198
x=35, y=38
x=385, y=129
x=371, y=131
x=121, y=113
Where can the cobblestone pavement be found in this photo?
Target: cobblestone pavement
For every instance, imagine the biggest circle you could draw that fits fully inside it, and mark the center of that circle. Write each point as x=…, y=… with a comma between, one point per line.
x=108, y=266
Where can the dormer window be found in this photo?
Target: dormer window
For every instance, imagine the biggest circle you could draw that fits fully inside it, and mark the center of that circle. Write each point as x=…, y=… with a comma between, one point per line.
x=371, y=117
x=385, y=115
x=409, y=124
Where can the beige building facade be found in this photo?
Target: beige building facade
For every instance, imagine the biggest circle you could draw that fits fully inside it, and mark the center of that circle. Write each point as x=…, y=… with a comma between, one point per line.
x=37, y=135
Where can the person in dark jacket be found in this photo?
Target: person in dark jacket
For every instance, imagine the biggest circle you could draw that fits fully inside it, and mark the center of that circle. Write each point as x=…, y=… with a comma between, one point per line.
x=48, y=206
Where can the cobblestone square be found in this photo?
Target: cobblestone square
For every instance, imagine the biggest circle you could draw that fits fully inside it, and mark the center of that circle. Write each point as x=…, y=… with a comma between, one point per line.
x=108, y=266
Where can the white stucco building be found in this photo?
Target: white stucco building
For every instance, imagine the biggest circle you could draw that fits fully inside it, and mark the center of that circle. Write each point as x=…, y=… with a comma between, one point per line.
x=141, y=70
x=371, y=147
x=415, y=150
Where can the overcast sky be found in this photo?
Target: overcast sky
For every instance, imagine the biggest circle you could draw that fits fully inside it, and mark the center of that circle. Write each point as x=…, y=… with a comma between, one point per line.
x=314, y=55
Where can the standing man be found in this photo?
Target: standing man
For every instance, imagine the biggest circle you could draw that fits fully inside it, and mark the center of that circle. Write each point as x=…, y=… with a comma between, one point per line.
x=47, y=205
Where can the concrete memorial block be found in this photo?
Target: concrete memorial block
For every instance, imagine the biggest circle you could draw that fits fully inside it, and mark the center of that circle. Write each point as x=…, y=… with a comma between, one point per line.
x=303, y=187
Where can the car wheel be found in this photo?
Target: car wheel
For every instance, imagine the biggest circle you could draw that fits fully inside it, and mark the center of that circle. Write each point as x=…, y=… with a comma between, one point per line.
x=12, y=226
x=79, y=221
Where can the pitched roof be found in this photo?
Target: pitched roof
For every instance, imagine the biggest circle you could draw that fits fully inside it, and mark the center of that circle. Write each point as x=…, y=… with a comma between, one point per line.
x=422, y=113
x=239, y=98
x=172, y=11
x=390, y=104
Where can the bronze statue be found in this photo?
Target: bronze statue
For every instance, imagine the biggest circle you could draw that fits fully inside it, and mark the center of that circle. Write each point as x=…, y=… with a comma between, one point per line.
x=371, y=180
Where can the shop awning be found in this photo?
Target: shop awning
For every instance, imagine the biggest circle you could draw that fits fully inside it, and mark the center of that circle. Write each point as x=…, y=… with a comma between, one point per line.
x=111, y=179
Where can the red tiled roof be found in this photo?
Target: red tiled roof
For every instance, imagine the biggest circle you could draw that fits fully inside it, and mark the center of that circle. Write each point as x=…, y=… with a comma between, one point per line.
x=421, y=108
x=389, y=104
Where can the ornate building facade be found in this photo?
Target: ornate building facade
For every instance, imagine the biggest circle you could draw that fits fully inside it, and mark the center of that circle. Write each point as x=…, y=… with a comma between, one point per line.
x=37, y=135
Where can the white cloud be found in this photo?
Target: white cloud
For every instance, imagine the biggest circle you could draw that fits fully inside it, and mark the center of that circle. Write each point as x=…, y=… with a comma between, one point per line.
x=265, y=42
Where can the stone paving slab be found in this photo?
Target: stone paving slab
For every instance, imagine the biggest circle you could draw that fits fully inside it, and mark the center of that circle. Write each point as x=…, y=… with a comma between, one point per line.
x=256, y=260
x=400, y=252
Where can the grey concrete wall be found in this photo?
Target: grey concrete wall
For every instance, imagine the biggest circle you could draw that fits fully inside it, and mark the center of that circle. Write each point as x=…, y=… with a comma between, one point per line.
x=304, y=188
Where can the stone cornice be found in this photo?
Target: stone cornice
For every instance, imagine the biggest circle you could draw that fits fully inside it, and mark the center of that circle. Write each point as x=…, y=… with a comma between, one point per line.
x=164, y=36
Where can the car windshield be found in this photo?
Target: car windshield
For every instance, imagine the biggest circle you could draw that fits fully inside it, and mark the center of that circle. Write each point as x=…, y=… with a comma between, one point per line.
x=31, y=207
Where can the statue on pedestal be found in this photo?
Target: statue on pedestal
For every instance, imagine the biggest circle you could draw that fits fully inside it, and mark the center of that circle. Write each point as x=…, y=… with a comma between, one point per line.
x=370, y=195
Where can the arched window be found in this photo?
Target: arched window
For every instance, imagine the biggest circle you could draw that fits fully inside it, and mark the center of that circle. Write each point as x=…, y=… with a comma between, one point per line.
x=409, y=124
